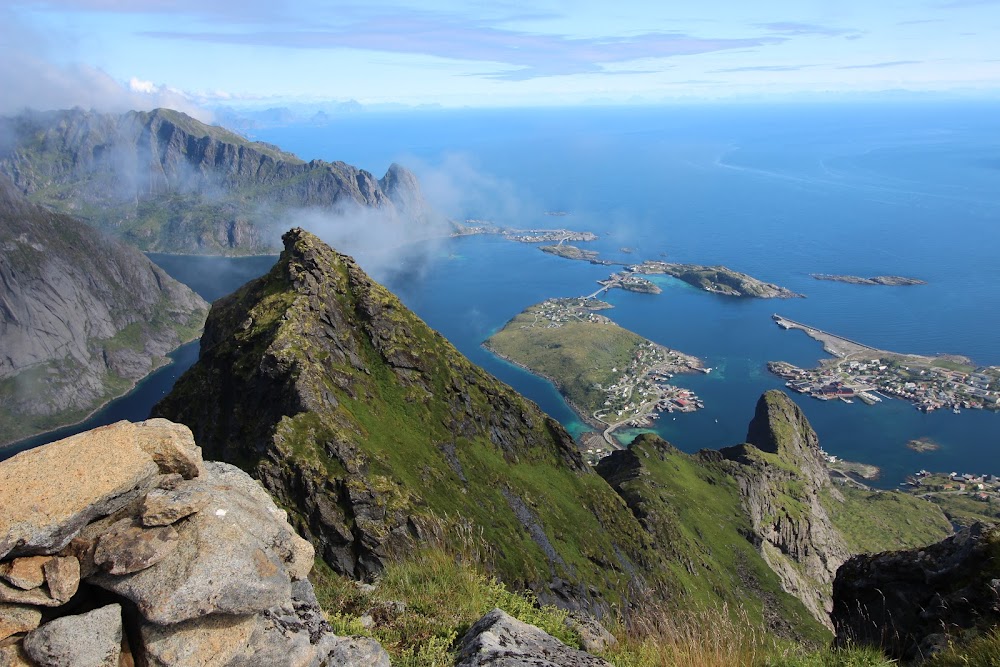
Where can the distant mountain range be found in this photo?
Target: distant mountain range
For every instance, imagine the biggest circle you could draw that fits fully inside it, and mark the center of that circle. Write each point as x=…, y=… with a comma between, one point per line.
x=166, y=182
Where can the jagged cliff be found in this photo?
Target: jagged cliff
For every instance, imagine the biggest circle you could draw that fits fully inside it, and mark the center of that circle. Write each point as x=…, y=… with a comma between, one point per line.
x=167, y=182
x=781, y=476
x=804, y=526
x=691, y=506
x=82, y=317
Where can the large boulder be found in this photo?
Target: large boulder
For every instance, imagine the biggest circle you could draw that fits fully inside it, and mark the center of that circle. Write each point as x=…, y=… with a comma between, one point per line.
x=912, y=603
x=205, y=564
x=93, y=639
x=229, y=558
x=500, y=640
x=50, y=493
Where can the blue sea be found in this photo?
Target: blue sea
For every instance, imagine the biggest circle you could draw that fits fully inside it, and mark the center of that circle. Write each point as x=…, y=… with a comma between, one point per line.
x=778, y=192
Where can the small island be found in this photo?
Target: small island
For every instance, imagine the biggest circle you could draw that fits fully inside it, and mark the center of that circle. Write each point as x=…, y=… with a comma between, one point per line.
x=569, y=251
x=872, y=375
x=717, y=279
x=610, y=376
x=629, y=281
x=922, y=445
x=874, y=280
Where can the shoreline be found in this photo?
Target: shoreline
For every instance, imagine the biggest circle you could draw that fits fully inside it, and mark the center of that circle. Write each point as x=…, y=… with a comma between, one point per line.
x=586, y=419
x=166, y=361
x=601, y=428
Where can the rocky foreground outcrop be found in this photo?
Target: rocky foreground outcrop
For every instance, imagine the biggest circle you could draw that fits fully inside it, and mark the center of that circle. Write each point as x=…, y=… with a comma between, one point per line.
x=913, y=603
x=500, y=640
x=121, y=546
x=82, y=317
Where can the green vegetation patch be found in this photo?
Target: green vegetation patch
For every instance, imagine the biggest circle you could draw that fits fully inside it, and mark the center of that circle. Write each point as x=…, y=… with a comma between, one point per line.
x=875, y=521
x=580, y=356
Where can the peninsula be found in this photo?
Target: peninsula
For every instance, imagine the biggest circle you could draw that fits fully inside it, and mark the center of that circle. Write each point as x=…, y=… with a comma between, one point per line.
x=475, y=227
x=873, y=375
x=874, y=280
x=610, y=376
x=717, y=279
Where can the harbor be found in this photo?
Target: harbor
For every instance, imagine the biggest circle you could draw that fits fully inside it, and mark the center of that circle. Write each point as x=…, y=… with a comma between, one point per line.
x=872, y=375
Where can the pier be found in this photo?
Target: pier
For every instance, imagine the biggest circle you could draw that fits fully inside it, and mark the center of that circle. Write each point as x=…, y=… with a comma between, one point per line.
x=832, y=343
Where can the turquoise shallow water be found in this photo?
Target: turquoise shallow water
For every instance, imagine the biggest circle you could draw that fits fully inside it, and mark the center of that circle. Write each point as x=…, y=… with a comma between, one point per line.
x=778, y=192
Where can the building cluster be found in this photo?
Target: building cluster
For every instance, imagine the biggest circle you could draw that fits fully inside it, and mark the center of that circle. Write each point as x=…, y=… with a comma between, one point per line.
x=981, y=487
x=643, y=391
x=554, y=313
x=870, y=380
x=630, y=281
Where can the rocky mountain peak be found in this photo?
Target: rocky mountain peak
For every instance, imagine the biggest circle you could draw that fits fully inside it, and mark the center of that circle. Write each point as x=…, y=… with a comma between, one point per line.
x=780, y=427
x=350, y=409
x=783, y=481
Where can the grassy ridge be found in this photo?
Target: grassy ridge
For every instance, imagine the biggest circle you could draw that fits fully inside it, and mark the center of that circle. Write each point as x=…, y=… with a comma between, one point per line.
x=873, y=521
x=443, y=594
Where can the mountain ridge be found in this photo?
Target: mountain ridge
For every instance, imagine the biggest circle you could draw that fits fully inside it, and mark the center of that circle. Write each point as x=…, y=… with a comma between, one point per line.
x=379, y=437
x=166, y=182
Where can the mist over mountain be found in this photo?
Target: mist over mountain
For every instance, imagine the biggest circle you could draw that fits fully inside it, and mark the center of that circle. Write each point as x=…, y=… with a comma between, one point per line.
x=166, y=182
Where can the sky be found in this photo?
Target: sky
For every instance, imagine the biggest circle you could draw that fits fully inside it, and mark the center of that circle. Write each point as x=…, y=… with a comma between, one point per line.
x=196, y=54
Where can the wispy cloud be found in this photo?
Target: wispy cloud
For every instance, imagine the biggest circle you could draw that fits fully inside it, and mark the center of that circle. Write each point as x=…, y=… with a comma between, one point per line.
x=456, y=37
x=794, y=29
x=29, y=79
x=960, y=4
x=761, y=68
x=890, y=63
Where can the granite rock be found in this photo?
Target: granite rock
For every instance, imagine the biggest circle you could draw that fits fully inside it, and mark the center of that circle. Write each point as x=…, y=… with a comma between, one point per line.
x=129, y=547
x=162, y=507
x=230, y=559
x=16, y=618
x=92, y=639
x=500, y=640
x=50, y=493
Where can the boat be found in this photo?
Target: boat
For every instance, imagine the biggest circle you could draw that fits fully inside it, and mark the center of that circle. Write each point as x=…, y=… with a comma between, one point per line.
x=956, y=410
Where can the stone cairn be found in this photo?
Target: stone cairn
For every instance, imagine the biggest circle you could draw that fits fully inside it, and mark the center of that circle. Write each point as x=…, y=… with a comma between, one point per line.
x=121, y=546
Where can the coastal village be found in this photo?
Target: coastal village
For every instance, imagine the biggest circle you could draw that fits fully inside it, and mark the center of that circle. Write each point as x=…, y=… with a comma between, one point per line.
x=871, y=376
x=640, y=391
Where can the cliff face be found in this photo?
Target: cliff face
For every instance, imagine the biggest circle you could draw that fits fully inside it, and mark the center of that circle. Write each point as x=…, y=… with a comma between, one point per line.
x=382, y=436
x=167, y=182
x=82, y=317
x=691, y=507
x=913, y=603
x=782, y=481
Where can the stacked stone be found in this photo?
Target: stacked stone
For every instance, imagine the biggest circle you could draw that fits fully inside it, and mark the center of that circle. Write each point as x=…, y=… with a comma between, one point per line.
x=121, y=546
